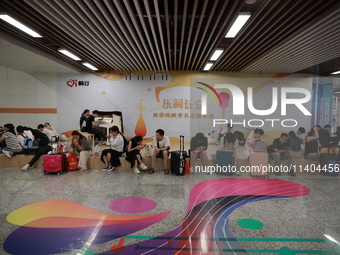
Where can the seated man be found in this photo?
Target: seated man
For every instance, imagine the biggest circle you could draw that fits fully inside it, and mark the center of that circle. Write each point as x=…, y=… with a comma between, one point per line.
x=280, y=150
x=198, y=148
x=90, y=127
x=40, y=139
x=161, y=144
x=324, y=135
x=256, y=135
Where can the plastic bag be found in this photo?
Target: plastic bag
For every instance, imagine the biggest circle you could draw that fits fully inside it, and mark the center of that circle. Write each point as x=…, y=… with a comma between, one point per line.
x=148, y=150
x=96, y=151
x=63, y=138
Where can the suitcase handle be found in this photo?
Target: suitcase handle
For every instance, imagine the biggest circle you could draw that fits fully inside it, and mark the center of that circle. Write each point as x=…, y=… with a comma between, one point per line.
x=181, y=142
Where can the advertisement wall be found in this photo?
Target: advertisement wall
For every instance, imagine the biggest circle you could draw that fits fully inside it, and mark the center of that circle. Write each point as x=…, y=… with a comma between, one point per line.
x=173, y=101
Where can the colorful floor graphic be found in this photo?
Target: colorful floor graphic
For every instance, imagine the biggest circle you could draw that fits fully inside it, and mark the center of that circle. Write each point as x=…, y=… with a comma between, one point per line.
x=58, y=226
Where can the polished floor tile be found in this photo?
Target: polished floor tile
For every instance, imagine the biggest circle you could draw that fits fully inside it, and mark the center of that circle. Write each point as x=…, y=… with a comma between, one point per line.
x=123, y=213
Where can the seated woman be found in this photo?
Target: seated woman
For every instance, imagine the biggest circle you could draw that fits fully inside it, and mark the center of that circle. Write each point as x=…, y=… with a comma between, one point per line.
x=82, y=148
x=10, y=139
x=198, y=147
x=133, y=155
x=110, y=157
x=51, y=132
x=82, y=121
x=240, y=138
x=312, y=144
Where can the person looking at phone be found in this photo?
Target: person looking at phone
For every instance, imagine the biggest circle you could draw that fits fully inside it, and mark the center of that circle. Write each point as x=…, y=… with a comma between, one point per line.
x=281, y=151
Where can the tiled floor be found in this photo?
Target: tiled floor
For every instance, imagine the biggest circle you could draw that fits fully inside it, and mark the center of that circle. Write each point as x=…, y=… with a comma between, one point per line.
x=194, y=214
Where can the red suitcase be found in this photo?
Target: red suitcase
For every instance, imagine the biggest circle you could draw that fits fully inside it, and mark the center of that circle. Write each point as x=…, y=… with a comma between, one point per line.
x=54, y=163
x=258, y=163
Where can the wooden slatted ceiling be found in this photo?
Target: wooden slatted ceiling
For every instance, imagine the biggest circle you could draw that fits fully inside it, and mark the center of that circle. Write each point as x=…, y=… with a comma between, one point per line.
x=281, y=36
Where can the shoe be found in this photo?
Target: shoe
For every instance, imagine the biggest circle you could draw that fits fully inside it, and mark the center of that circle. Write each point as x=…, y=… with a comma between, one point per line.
x=25, y=168
x=238, y=173
x=143, y=166
x=110, y=168
x=105, y=168
x=209, y=172
x=192, y=170
x=166, y=171
x=136, y=171
x=7, y=153
x=292, y=173
x=278, y=174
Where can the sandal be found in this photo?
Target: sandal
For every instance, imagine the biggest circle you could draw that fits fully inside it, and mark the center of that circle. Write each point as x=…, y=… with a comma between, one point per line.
x=151, y=171
x=166, y=171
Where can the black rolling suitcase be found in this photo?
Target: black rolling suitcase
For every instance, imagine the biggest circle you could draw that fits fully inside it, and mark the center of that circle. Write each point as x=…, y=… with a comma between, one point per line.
x=177, y=159
x=329, y=163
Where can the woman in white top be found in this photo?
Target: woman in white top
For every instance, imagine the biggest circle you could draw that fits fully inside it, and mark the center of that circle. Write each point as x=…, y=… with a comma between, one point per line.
x=110, y=157
x=50, y=132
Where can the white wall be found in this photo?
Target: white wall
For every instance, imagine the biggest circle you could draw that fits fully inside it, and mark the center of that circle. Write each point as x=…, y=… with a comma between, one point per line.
x=22, y=90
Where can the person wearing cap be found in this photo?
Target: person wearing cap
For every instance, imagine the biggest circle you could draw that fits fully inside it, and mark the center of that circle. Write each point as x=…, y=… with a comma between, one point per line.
x=198, y=149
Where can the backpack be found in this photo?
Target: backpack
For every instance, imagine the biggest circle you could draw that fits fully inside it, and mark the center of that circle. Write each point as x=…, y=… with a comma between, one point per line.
x=28, y=143
x=125, y=144
x=43, y=139
x=260, y=146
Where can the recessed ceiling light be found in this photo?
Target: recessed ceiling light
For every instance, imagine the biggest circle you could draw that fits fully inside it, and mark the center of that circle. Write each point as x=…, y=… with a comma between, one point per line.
x=238, y=24
x=69, y=54
x=208, y=66
x=216, y=54
x=90, y=66
x=20, y=26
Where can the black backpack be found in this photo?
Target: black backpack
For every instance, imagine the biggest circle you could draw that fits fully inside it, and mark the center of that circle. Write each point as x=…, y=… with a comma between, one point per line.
x=125, y=144
x=43, y=140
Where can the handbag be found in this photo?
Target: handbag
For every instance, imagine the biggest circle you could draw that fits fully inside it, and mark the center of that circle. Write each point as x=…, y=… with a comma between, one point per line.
x=72, y=163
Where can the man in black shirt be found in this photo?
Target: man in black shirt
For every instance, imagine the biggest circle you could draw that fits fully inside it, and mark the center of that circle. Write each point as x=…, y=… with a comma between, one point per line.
x=90, y=124
x=281, y=151
x=324, y=136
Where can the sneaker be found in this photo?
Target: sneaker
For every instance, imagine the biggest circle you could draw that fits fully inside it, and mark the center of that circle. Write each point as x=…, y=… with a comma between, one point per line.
x=209, y=172
x=7, y=153
x=110, y=168
x=25, y=168
x=192, y=170
x=238, y=173
x=143, y=166
x=136, y=171
x=105, y=168
x=278, y=173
